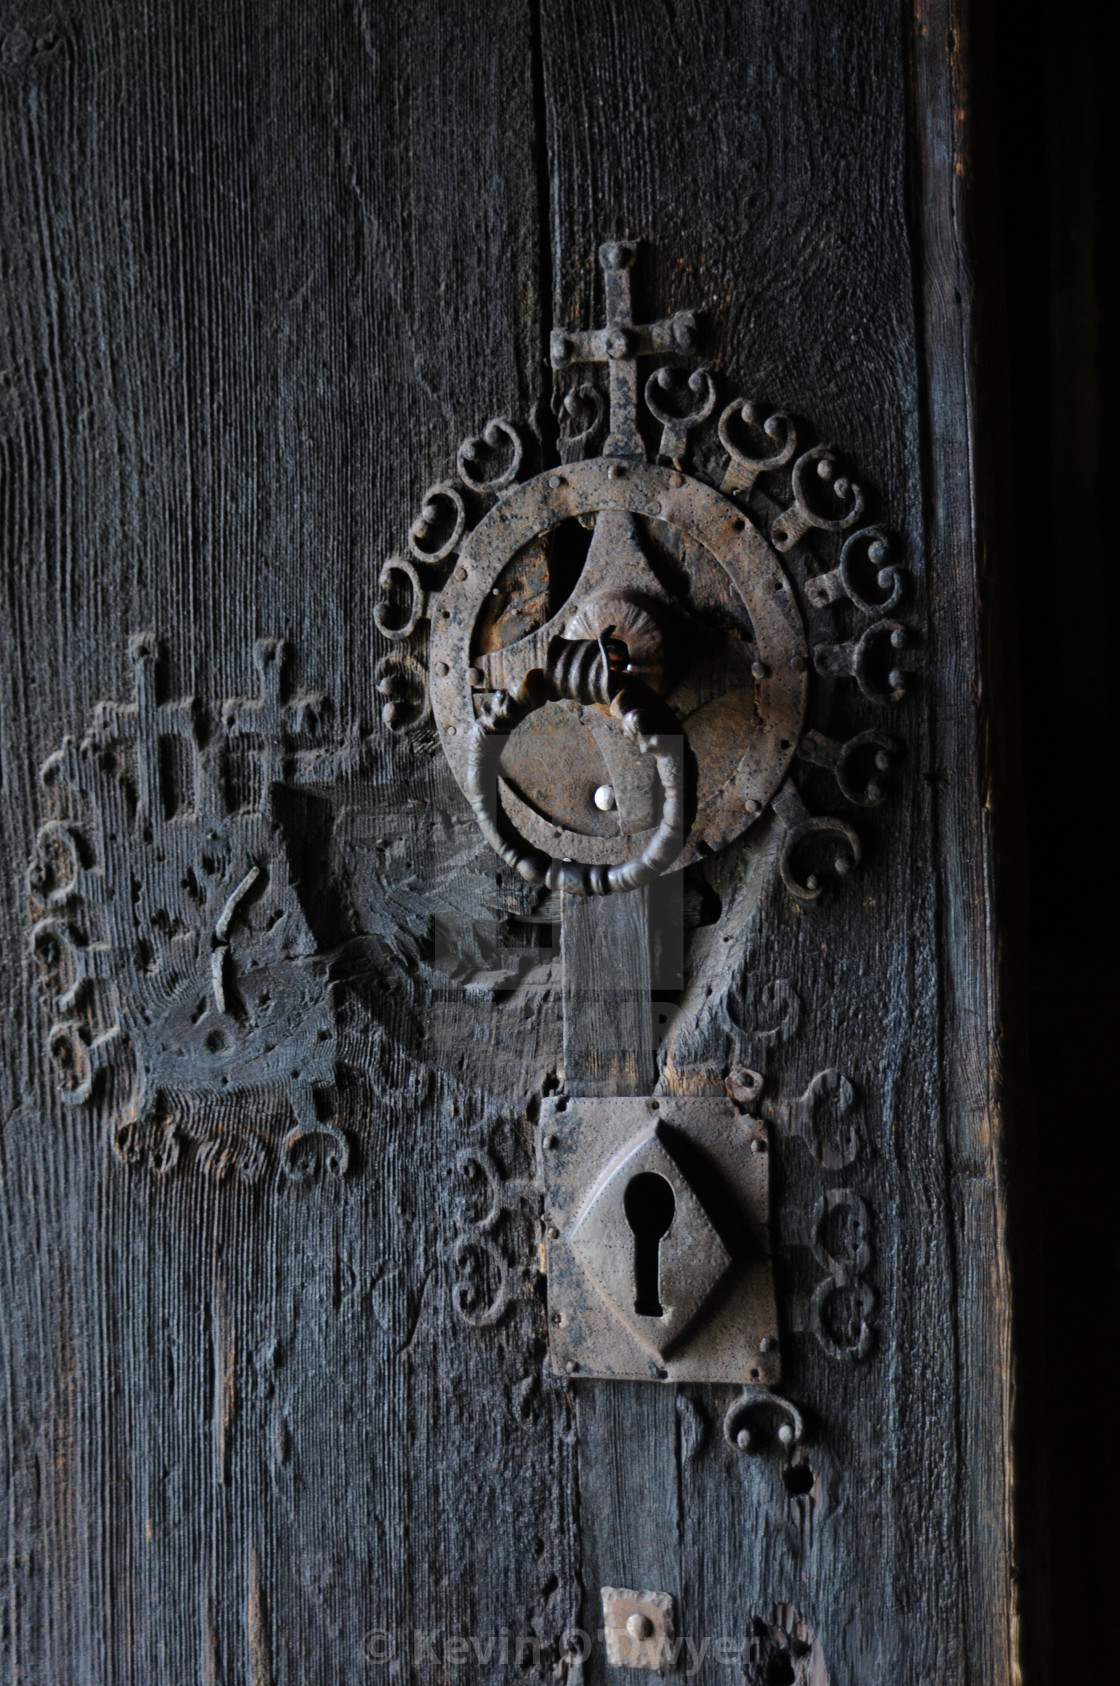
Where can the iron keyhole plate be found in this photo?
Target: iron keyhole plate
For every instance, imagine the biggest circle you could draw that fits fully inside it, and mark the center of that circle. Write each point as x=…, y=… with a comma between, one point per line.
x=657, y=1259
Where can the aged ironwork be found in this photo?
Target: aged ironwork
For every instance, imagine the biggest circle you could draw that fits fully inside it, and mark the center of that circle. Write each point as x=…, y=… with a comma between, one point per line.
x=639, y=1628
x=758, y=1414
x=175, y=925
x=625, y=706
x=629, y=658
x=669, y=1284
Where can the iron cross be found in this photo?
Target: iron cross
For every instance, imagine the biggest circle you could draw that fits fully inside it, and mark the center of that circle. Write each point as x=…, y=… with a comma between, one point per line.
x=619, y=345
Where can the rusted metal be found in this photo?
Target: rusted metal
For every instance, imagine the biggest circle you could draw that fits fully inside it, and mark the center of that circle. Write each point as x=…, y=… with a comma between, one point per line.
x=579, y=672
x=639, y=1628
x=688, y=596
x=619, y=344
x=758, y=1417
x=714, y=1318
x=741, y=726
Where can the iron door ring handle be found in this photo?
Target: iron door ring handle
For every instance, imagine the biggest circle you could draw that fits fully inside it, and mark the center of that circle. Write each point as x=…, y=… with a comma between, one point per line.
x=580, y=671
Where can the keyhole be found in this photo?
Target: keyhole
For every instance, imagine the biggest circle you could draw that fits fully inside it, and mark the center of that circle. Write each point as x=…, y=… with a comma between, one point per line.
x=649, y=1204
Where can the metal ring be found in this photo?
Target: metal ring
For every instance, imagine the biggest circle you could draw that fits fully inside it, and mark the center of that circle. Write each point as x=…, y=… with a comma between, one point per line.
x=581, y=673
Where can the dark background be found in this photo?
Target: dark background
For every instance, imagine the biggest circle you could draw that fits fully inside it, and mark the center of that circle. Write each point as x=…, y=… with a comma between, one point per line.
x=1044, y=92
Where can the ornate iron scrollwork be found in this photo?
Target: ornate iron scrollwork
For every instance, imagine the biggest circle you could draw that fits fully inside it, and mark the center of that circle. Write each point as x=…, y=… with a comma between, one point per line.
x=688, y=625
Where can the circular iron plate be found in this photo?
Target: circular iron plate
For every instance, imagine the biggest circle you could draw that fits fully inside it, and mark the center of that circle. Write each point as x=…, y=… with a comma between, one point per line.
x=743, y=740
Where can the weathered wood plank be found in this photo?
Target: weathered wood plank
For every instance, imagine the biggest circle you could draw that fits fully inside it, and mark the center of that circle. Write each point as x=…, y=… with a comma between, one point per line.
x=264, y=272
x=811, y=296
x=608, y=1017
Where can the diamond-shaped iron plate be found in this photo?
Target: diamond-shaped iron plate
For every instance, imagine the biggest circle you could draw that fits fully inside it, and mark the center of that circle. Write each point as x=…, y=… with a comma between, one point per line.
x=715, y=1282
x=691, y=1257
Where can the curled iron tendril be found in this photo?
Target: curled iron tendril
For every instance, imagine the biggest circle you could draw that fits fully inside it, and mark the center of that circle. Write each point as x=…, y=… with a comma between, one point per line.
x=676, y=429
x=495, y=434
x=743, y=469
x=427, y=521
x=796, y=521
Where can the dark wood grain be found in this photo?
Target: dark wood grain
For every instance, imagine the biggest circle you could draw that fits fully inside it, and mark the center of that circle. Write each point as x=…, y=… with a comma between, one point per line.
x=264, y=269
x=792, y=184
x=608, y=1022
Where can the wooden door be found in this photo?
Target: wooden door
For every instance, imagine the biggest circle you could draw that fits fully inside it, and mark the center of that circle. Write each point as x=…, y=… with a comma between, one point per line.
x=280, y=1404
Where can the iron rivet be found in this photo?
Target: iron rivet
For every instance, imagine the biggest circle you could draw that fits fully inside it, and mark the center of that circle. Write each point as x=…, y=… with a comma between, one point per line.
x=785, y=1435
x=450, y=730
x=460, y=573
x=756, y=1145
x=604, y=798
x=743, y=1440
x=474, y=676
x=812, y=882
x=768, y=1343
x=553, y=1233
x=571, y=1366
x=655, y=508
x=639, y=1626
x=676, y=480
x=798, y=663
x=615, y=471
x=759, y=669
x=441, y=670
x=558, y=1319
x=550, y=1141
x=554, y=481
x=752, y=806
